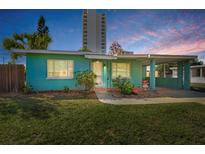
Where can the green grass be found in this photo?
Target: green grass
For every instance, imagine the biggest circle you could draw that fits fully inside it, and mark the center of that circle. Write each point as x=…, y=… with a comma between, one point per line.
x=55, y=120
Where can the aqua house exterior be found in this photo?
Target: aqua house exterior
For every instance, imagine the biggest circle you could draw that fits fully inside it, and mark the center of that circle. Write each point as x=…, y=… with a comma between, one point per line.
x=53, y=70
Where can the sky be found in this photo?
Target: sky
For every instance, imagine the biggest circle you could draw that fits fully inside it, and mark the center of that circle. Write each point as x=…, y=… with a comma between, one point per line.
x=141, y=31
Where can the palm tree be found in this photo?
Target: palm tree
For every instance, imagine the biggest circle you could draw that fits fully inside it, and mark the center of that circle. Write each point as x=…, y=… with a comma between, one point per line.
x=17, y=41
x=37, y=40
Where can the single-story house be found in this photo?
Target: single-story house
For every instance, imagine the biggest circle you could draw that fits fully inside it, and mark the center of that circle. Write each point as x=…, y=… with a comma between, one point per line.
x=53, y=70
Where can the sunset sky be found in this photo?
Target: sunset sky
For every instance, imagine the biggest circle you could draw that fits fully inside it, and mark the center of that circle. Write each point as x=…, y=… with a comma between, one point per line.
x=142, y=31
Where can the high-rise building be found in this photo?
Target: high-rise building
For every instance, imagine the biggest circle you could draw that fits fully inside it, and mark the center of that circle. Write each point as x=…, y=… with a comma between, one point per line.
x=94, y=31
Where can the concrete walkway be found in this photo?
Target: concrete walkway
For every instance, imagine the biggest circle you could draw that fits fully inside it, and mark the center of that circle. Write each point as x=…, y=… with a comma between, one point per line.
x=106, y=97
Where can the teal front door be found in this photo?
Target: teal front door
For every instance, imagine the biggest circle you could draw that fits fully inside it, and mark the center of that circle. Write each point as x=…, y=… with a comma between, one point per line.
x=107, y=77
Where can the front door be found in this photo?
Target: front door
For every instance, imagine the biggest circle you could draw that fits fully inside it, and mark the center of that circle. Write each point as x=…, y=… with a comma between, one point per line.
x=97, y=69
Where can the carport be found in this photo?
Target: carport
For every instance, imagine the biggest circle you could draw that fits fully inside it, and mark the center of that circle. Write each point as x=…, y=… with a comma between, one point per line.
x=183, y=69
x=182, y=81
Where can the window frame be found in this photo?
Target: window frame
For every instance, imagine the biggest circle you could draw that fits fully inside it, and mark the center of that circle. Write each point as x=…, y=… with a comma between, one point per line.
x=195, y=72
x=57, y=77
x=203, y=72
x=129, y=73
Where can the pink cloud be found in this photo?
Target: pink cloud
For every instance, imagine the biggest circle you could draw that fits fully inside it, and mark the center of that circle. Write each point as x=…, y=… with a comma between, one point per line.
x=180, y=21
x=172, y=31
x=180, y=40
x=152, y=33
x=189, y=28
x=131, y=38
x=184, y=47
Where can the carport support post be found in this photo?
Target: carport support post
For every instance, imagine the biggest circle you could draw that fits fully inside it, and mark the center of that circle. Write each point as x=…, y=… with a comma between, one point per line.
x=180, y=74
x=186, y=75
x=152, y=74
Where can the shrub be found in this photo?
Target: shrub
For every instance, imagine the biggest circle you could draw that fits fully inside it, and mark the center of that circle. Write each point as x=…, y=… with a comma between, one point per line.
x=86, y=79
x=27, y=89
x=123, y=84
x=66, y=89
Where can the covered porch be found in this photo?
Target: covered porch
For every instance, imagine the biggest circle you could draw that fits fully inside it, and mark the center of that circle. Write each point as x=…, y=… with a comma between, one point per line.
x=138, y=64
x=180, y=79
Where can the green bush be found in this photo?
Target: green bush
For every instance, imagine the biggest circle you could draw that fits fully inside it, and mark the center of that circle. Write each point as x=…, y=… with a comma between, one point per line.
x=124, y=85
x=66, y=89
x=86, y=79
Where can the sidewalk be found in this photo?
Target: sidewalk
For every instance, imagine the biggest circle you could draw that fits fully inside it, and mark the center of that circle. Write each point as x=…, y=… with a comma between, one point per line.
x=106, y=97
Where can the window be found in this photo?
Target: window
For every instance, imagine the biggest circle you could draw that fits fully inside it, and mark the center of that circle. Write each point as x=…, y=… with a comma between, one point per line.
x=203, y=71
x=121, y=69
x=174, y=73
x=195, y=72
x=60, y=69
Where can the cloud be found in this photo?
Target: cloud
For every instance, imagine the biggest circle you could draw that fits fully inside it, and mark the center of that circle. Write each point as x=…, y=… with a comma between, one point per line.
x=163, y=32
x=131, y=38
x=182, y=48
x=112, y=27
x=152, y=33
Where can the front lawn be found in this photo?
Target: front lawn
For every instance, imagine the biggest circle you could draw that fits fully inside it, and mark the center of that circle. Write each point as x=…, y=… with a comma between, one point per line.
x=34, y=119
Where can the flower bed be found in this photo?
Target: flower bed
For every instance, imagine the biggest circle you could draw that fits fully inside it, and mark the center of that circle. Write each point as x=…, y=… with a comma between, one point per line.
x=137, y=93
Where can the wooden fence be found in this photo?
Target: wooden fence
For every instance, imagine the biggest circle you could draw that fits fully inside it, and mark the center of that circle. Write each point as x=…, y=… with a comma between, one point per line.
x=12, y=77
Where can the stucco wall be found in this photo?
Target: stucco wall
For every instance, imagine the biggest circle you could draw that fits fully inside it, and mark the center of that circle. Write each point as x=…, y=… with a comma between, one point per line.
x=36, y=71
x=167, y=82
x=197, y=79
x=135, y=71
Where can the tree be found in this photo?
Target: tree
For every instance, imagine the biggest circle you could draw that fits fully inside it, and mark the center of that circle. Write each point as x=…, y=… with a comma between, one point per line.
x=116, y=48
x=86, y=79
x=197, y=62
x=41, y=38
x=36, y=40
x=17, y=41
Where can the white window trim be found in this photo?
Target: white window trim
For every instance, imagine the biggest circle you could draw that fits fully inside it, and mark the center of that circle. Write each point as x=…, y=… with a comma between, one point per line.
x=56, y=78
x=122, y=63
x=60, y=78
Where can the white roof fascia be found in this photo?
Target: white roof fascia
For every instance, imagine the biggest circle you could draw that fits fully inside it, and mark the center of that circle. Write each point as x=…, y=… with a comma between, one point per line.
x=197, y=66
x=108, y=57
x=56, y=52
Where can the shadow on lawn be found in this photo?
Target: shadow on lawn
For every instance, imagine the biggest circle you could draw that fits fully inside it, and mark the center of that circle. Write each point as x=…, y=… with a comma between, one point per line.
x=72, y=98
x=73, y=95
x=27, y=107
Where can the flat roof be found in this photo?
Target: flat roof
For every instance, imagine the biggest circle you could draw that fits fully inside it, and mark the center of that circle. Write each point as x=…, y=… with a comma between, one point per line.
x=160, y=58
x=197, y=66
x=64, y=52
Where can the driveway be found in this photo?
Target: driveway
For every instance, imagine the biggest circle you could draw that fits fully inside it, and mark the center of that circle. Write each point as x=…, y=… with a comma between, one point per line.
x=166, y=96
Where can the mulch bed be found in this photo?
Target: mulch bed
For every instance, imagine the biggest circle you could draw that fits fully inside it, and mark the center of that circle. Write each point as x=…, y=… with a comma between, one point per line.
x=141, y=94
x=77, y=94
x=71, y=94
